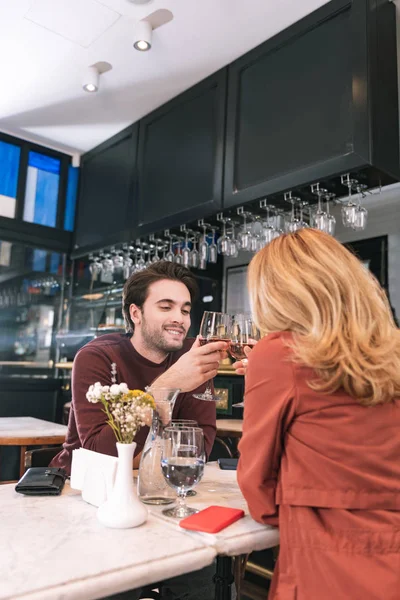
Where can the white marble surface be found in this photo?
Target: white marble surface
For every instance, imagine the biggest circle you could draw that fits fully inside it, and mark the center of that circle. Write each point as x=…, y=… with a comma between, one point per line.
x=11, y=427
x=53, y=548
x=234, y=425
x=219, y=487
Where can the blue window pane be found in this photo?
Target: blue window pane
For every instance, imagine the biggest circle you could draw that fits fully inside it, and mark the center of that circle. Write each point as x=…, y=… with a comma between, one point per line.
x=44, y=163
x=9, y=167
x=41, y=194
x=39, y=260
x=55, y=259
x=70, y=204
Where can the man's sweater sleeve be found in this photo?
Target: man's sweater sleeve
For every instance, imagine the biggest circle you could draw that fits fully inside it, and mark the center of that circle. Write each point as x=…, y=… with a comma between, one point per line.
x=92, y=365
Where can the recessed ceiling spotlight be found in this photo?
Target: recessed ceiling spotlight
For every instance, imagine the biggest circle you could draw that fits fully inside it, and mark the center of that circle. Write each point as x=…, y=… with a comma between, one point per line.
x=139, y=1
x=91, y=80
x=143, y=32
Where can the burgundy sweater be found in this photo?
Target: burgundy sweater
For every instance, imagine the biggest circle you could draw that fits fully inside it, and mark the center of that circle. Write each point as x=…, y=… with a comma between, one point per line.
x=87, y=425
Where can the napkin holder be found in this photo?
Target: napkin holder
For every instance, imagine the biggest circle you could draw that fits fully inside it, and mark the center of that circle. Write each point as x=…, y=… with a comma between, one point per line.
x=93, y=474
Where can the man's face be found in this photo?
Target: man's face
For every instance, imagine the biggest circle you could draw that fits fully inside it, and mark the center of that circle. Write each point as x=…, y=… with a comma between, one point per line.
x=164, y=320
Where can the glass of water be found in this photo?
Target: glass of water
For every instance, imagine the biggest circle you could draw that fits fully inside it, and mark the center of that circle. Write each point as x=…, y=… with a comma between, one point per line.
x=182, y=463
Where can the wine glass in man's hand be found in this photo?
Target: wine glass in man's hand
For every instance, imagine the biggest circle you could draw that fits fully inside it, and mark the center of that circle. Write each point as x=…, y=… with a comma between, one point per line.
x=215, y=327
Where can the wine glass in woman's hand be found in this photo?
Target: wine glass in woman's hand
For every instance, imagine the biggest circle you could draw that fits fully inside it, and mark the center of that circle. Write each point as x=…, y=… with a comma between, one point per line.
x=244, y=337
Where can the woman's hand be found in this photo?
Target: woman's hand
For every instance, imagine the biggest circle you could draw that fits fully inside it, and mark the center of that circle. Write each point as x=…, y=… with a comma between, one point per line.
x=241, y=365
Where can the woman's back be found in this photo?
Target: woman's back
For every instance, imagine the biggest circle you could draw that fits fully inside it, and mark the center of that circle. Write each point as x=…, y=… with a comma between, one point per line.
x=327, y=470
x=338, y=453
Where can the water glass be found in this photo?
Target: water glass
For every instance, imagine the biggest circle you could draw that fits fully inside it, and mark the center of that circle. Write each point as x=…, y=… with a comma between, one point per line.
x=182, y=463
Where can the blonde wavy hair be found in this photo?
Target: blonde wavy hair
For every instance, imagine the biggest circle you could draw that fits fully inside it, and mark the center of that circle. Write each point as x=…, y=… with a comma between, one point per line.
x=308, y=283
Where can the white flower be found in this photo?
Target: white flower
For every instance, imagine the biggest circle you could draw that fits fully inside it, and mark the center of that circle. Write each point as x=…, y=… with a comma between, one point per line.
x=123, y=388
x=90, y=396
x=114, y=390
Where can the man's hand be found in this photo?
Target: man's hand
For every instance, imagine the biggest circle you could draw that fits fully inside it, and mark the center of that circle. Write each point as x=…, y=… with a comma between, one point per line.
x=241, y=365
x=193, y=368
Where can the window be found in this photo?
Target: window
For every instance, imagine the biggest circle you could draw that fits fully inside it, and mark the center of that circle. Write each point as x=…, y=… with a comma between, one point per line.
x=41, y=193
x=39, y=260
x=70, y=203
x=9, y=167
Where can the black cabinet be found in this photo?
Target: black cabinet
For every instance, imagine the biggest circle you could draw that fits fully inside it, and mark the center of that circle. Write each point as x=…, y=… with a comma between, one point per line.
x=107, y=193
x=180, y=157
x=317, y=100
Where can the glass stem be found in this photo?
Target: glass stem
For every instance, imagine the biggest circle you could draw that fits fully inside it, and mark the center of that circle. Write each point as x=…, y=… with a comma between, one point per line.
x=181, y=499
x=208, y=388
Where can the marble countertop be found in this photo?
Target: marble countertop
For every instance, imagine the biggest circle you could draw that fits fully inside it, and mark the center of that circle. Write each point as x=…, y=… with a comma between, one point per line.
x=20, y=427
x=54, y=548
x=219, y=488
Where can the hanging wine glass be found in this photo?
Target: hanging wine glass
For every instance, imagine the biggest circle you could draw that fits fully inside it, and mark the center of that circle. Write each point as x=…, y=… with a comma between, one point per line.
x=360, y=213
x=233, y=244
x=213, y=248
x=158, y=246
x=244, y=235
x=107, y=264
x=170, y=254
x=268, y=231
x=95, y=266
x=331, y=220
x=194, y=255
x=302, y=223
x=223, y=241
x=348, y=210
x=127, y=261
x=203, y=246
x=293, y=224
x=140, y=261
x=118, y=259
x=185, y=249
x=178, y=256
x=320, y=217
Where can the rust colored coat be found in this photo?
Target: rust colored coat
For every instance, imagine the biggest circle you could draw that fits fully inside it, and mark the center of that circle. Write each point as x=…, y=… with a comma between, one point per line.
x=326, y=470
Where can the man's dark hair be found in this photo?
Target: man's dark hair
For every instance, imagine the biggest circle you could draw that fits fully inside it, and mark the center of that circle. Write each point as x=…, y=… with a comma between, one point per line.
x=136, y=288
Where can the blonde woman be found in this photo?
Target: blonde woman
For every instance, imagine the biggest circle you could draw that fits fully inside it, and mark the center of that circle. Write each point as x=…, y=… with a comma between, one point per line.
x=320, y=453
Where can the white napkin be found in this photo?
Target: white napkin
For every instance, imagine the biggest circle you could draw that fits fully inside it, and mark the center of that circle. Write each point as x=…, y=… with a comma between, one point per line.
x=93, y=473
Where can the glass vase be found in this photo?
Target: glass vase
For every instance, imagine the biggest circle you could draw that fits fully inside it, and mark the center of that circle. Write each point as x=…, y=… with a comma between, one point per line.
x=152, y=487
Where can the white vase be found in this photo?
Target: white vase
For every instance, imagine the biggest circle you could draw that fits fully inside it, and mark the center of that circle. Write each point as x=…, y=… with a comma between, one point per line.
x=123, y=509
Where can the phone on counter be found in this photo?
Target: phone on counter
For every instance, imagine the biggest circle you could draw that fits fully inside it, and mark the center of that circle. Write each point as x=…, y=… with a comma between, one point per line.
x=212, y=519
x=229, y=464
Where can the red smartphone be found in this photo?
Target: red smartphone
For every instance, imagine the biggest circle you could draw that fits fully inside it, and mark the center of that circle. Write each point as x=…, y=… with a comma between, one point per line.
x=212, y=519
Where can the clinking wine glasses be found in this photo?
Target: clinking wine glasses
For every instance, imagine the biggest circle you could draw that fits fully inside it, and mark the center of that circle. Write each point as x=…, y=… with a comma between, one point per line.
x=215, y=327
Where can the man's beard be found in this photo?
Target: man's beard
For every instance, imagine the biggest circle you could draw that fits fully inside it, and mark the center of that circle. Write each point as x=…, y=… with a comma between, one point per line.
x=155, y=340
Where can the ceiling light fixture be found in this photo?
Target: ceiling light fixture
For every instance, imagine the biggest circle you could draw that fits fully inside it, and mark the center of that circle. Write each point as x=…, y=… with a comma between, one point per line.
x=91, y=80
x=143, y=33
x=144, y=28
